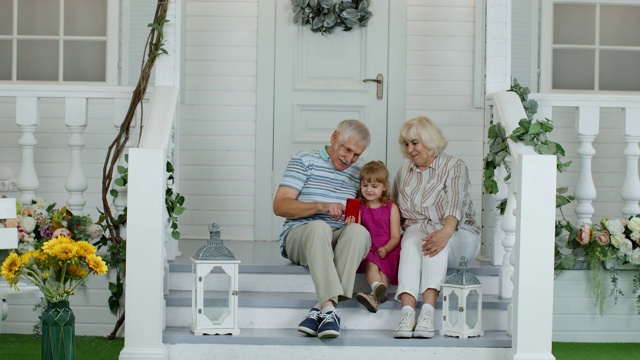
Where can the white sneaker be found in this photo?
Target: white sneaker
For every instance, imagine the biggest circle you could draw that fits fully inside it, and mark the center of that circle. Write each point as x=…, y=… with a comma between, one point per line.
x=424, y=328
x=406, y=325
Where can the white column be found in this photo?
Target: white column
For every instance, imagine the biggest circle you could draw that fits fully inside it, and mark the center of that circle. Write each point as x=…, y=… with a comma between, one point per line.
x=27, y=119
x=498, y=46
x=167, y=66
x=533, y=276
x=144, y=300
x=167, y=73
x=630, y=193
x=587, y=125
x=76, y=184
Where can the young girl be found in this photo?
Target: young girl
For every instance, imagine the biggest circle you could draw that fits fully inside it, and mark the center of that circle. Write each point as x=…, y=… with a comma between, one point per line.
x=382, y=218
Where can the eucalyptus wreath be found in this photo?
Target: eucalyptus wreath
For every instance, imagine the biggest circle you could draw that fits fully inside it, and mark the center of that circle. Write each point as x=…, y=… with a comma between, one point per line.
x=325, y=15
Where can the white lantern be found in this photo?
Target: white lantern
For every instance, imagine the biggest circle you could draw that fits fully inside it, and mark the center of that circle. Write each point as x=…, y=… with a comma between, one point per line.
x=214, y=298
x=462, y=304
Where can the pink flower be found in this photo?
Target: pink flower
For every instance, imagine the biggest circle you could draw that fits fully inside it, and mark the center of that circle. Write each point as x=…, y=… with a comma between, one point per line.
x=61, y=231
x=604, y=238
x=28, y=211
x=584, y=234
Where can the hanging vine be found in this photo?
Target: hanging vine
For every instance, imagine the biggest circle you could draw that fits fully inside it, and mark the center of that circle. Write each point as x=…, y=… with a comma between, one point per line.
x=113, y=240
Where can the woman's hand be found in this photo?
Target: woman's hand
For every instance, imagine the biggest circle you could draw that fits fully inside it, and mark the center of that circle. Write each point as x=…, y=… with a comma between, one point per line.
x=350, y=220
x=435, y=242
x=382, y=252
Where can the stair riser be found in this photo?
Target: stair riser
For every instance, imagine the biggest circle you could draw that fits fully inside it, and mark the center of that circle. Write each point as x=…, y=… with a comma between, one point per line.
x=221, y=351
x=287, y=282
x=351, y=318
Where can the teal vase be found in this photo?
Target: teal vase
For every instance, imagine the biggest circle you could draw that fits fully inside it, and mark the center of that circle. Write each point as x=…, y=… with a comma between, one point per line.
x=58, y=332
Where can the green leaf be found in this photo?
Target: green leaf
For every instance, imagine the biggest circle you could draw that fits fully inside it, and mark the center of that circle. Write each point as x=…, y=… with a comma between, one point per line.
x=490, y=186
x=178, y=210
x=562, y=190
x=113, y=192
x=561, y=201
x=121, y=169
x=568, y=261
x=175, y=234
x=119, y=182
x=501, y=131
x=535, y=128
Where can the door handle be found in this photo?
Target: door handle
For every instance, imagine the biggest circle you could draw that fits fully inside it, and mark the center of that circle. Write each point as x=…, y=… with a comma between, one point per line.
x=378, y=80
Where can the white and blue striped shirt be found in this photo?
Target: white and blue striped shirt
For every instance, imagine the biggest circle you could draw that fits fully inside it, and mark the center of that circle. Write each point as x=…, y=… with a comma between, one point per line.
x=317, y=180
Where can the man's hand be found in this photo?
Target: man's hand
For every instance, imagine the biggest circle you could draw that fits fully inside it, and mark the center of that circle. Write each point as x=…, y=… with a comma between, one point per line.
x=335, y=210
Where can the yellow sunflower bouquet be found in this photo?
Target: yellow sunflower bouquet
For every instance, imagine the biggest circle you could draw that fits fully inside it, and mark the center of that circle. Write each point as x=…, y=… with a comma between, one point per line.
x=56, y=269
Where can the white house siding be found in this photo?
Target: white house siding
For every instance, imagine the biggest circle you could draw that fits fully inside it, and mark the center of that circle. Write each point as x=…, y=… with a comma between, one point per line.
x=218, y=118
x=440, y=50
x=575, y=313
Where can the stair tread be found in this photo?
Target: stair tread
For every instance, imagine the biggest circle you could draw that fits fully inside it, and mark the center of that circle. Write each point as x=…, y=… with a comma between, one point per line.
x=348, y=337
x=263, y=257
x=304, y=300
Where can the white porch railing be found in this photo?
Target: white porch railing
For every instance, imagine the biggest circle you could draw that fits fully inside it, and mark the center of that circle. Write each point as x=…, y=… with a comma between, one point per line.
x=528, y=226
x=76, y=115
x=588, y=113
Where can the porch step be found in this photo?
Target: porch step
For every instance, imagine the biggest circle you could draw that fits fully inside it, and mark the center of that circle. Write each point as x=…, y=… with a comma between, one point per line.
x=275, y=295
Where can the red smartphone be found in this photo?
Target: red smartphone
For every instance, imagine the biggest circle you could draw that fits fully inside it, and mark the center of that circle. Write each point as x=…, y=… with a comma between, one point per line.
x=353, y=209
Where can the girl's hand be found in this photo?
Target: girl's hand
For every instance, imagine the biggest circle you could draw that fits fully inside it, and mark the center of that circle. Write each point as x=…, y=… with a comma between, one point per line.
x=435, y=242
x=382, y=252
x=350, y=220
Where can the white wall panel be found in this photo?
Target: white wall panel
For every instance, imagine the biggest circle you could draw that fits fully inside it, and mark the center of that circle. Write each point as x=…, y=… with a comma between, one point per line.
x=440, y=50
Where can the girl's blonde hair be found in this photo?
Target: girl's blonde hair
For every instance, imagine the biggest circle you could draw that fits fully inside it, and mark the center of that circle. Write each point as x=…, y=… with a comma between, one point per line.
x=375, y=171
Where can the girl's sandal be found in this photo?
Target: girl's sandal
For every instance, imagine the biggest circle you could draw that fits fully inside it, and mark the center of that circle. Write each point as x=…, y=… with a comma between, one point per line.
x=380, y=293
x=368, y=301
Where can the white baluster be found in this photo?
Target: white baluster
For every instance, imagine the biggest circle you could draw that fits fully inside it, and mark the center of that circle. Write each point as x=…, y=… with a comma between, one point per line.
x=509, y=227
x=497, y=253
x=76, y=184
x=587, y=124
x=27, y=120
x=171, y=244
x=630, y=193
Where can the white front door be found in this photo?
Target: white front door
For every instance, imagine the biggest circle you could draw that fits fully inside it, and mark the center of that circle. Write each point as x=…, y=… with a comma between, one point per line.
x=319, y=82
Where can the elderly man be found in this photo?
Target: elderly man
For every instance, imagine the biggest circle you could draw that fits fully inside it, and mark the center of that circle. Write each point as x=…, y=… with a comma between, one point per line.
x=312, y=198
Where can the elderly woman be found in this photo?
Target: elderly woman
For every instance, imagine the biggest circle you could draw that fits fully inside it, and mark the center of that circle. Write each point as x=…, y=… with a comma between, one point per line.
x=432, y=192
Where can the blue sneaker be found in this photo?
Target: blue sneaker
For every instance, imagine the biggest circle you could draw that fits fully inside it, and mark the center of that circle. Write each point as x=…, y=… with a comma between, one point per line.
x=329, y=326
x=310, y=323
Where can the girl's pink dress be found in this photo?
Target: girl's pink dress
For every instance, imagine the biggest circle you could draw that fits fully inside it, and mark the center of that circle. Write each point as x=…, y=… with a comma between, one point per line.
x=377, y=222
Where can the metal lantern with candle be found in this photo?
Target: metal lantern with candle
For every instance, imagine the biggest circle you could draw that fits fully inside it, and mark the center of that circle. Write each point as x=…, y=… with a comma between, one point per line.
x=214, y=303
x=462, y=304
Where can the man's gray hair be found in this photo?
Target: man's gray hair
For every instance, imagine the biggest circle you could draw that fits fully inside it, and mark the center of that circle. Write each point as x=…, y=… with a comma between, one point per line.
x=348, y=128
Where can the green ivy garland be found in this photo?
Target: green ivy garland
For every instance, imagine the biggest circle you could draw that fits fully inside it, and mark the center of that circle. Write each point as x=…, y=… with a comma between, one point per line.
x=324, y=15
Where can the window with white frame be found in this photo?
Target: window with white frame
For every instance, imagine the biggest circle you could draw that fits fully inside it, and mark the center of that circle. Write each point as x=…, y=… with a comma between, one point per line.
x=60, y=41
x=591, y=45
